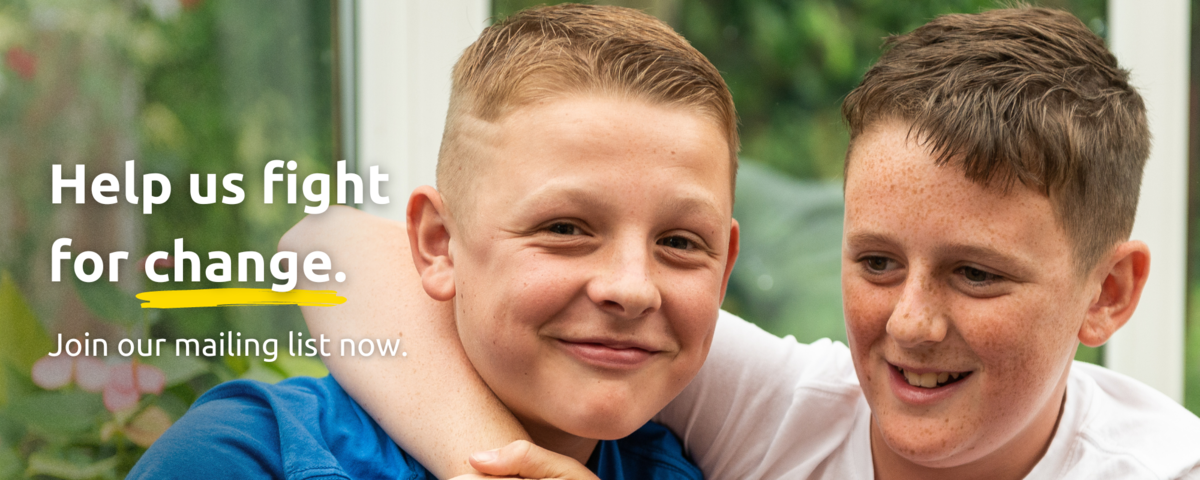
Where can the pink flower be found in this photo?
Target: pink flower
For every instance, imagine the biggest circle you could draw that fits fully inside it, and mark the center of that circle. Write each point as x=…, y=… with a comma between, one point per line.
x=90, y=374
x=22, y=62
x=53, y=372
x=122, y=383
x=128, y=381
x=117, y=399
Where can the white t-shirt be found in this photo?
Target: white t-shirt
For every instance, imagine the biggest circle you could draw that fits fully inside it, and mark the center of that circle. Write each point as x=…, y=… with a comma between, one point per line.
x=763, y=407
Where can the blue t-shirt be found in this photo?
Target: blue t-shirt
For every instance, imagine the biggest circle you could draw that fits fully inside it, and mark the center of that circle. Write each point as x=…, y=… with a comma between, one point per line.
x=308, y=428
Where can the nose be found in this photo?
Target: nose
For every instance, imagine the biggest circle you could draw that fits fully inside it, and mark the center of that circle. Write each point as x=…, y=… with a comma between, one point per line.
x=917, y=320
x=625, y=287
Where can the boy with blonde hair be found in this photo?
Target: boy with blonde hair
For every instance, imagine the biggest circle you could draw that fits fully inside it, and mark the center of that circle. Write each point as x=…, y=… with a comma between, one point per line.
x=991, y=186
x=582, y=232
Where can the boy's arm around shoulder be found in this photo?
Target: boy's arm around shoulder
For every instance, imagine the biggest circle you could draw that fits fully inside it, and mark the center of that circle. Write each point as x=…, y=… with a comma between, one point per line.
x=430, y=401
x=765, y=407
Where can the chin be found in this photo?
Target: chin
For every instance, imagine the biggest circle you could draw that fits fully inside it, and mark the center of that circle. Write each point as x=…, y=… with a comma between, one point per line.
x=915, y=441
x=603, y=417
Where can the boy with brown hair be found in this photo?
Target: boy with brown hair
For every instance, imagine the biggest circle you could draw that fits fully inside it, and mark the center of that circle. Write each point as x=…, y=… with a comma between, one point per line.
x=991, y=186
x=583, y=233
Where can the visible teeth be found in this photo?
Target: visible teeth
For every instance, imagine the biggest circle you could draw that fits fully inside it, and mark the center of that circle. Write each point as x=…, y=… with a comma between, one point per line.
x=928, y=380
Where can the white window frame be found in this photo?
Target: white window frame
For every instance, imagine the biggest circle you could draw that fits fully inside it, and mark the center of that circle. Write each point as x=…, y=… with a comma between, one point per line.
x=405, y=51
x=1152, y=38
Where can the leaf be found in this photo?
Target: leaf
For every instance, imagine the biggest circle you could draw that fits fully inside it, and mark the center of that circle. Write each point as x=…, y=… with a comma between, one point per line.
x=42, y=464
x=258, y=371
x=291, y=366
x=24, y=340
x=65, y=413
x=10, y=462
x=107, y=301
x=179, y=369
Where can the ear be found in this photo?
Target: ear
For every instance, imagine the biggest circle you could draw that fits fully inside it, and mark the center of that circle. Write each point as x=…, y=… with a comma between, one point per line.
x=429, y=239
x=1124, y=275
x=731, y=258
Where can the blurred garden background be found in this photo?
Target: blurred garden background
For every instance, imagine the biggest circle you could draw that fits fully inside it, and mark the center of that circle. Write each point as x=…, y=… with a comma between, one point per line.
x=218, y=86
x=182, y=87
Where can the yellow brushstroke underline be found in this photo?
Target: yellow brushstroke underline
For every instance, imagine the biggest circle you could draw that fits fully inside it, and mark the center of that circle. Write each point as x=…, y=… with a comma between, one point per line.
x=234, y=297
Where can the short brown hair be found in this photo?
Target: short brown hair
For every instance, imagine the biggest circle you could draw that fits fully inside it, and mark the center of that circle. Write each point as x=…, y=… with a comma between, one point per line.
x=1020, y=94
x=572, y=49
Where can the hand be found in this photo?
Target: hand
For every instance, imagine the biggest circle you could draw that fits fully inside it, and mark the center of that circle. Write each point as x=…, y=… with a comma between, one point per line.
x=524, y=460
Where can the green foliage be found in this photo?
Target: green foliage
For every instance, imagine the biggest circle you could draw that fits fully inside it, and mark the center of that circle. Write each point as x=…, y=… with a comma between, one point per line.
x=59, y=414
x=1191, y=394
x=241, y=83
x=195, y=87
x=110, y=303
x=789, y=63
x=70, y=433
x=178, y=369
x=10, y=462
x=203, y=87
x=58, y=467
x=788, y=275
x=1090, y=354
x=24, y=340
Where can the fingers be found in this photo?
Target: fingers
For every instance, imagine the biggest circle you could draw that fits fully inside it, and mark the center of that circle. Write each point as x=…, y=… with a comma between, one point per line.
x=523, y=459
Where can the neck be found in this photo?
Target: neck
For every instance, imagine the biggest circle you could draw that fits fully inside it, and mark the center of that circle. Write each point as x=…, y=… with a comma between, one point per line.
x=558, y=441
x=1012, y=461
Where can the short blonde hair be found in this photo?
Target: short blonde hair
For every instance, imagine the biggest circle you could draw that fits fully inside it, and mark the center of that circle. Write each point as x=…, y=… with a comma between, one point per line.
x=572, y=49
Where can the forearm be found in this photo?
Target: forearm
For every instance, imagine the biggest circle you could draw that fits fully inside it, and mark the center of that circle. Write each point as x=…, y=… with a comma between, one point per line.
x=430, y=401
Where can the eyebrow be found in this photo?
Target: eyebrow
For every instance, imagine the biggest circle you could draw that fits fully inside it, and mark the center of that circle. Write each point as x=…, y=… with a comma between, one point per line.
x=861, y=239
x=689, y=202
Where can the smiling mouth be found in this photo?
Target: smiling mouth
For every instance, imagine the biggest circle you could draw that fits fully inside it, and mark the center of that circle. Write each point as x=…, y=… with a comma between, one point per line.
x=931, y=380
x=609, y=355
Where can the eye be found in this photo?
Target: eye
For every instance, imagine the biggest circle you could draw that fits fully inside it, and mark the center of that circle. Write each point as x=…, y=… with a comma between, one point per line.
x=878, y=264
x=563, y=228
x=977, y=276
x=677, y=242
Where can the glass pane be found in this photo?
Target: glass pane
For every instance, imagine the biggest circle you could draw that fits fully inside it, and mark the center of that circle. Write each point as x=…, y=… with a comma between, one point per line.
x=180, y=87
x=1191, y=385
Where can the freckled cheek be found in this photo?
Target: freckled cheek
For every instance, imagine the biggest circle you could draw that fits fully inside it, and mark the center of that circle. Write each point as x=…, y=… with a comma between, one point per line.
x=1019, y=345
x=867, y=309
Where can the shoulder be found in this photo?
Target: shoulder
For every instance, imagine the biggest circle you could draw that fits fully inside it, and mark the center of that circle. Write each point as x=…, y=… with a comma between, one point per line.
x=767, y=407
x=750, y=349
x=300, y=428
x=228, y=437
x=653, y=452
x=1121, y=424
